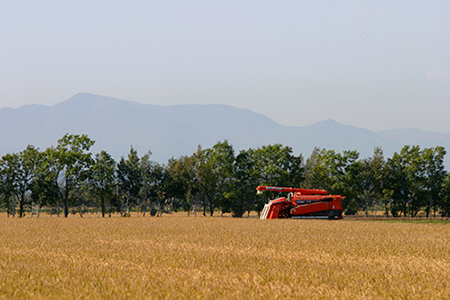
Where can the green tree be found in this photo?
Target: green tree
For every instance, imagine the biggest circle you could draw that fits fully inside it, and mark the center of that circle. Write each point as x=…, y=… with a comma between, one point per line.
x=68, y=165
x=415, y=170
x=49, y=174
x=9, y=166
x=44, y=191
x=397, y=185
x=146, y=166
x=6, y=196
x=323, y=169
x=245, y=179
x=129, y=178
x=102, y=180
x=20, y=171
x=276, y=166
x=183, y=182
x=337, y=173
x=28, y=160
x=159, y=187
x=370, y=180
x=407, y=180
x=433, y=175
x=214, y=171
x=444, y=199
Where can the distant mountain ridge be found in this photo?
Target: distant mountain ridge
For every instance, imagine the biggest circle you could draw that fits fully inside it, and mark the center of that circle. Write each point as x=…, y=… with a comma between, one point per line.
x=171, y=131
x=415, y=136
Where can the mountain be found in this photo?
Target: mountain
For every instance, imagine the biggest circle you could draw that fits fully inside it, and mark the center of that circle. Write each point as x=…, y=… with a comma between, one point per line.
x=116, y=125
x=425, y=139
x=332, y=135
x=171, y=131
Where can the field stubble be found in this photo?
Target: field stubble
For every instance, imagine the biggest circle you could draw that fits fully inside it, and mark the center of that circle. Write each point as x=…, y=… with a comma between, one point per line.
x=203, y=257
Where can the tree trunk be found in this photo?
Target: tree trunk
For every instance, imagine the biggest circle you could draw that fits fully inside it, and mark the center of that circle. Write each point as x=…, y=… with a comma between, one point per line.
x=194, y=210
x=102, y=201
x=66, y=203
x=211, y=208
x=21, y=201
x=126, y=205
x=204, y=204
x=211, y=205
x=144, y=202
x=14, y=206
x=430, y=204
x=66, y=207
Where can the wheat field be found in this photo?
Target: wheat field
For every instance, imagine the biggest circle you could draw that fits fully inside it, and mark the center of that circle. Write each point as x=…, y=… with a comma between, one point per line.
x=177, y=256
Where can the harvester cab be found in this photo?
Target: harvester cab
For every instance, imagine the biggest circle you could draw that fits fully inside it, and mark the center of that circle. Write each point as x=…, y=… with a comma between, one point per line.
x=302, y=204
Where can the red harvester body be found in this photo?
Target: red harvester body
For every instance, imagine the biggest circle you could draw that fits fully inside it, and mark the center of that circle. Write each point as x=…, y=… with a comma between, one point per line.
x=302, y=204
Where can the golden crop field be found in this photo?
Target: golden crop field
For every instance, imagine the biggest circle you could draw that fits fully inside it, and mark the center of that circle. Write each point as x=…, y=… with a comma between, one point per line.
x=177, y=256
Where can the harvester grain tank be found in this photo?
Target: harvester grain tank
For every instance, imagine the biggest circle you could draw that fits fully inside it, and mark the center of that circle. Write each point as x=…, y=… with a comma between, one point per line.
x=302, y=204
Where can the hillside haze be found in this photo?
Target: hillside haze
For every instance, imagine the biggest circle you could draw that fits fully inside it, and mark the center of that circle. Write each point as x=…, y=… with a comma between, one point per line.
x=171, y=131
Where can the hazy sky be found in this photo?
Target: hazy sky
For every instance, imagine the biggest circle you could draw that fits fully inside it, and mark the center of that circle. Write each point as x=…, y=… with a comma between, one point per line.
x=373, y=64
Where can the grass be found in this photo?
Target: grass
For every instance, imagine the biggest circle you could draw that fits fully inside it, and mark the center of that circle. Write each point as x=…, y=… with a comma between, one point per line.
x=221, y=258
x=431, y=220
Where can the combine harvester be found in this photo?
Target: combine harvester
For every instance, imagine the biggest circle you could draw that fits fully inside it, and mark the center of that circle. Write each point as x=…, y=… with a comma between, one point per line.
x=302, y=204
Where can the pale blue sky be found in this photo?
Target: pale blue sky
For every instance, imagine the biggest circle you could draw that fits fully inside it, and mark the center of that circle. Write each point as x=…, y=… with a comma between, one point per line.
x=373, y=64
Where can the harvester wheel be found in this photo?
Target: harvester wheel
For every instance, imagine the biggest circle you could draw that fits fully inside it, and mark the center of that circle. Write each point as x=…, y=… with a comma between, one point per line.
x=334, y=215
x=283, y=214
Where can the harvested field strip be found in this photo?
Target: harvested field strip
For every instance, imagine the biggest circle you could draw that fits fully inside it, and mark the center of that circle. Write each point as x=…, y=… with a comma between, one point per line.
x=187, y=257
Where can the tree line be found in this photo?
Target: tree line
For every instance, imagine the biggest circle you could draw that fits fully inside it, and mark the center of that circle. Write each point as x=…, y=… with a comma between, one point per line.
x=68, y=177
